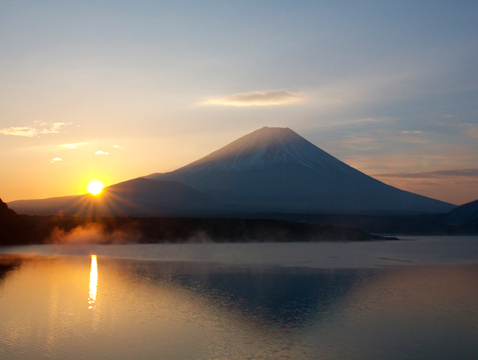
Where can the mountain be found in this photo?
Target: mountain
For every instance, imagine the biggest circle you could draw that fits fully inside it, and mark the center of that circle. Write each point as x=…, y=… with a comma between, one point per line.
x=269, y=170
x=136, y=197
x=466, y=214
x=277, y=170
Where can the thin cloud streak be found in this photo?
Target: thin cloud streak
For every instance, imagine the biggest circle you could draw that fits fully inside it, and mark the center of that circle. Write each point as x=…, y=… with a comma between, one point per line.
x=19, y=131
x=101, y=152
x=466, y=173
x=259, y=98
x=72, y=146
x=34, y=130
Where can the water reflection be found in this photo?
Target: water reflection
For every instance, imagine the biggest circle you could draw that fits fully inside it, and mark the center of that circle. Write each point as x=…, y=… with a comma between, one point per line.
x=187, y=310
x=275, y=296
x=93, y=283
x=8, y=263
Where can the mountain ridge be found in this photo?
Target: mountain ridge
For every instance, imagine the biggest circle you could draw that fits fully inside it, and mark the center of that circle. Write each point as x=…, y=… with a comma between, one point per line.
x=135, y=197
x=275, y=169
x=463, y=214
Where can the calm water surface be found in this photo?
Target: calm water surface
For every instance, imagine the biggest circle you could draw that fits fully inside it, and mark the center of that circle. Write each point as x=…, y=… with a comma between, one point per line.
x=378, y=300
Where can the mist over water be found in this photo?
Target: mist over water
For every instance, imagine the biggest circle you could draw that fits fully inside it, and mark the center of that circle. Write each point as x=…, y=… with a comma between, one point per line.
x=380, y=300
x=329, y=255
x=91, y=233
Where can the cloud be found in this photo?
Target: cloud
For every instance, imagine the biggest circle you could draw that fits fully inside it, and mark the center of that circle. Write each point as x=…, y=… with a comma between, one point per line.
x=70, y=146
x=101, y=152
x=416, y=132
x=34, y=130
x=118, y=147
x=27, y=131
x=464, y=173
x=409, y=139
x=360, y=141
x=56, y=160
x=259, y=98
x=53, y=128
x=370, y=120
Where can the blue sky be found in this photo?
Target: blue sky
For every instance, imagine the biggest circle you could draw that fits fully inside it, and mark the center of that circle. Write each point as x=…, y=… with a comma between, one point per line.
x=120, y=89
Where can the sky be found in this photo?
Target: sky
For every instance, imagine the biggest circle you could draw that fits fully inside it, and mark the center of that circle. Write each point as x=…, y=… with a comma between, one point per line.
x=114, y=90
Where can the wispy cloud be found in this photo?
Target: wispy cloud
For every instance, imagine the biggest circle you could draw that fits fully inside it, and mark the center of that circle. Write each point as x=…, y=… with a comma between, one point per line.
x=362, y=141
x=101, y=152
x=27, y=131
x=358, y=122
x=51, y=128
x=412, y=139
x=259, y=98
x=464, y=173
x=56, y=160
x=370, y=120
x=118, y=147
x=414, y=132
x=69, y=146
x=34, y=130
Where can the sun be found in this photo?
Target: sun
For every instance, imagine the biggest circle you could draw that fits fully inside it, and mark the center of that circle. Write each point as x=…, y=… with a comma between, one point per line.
x=95, y=187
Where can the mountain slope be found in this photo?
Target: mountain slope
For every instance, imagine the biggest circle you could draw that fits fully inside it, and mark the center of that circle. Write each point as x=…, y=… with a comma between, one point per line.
x=463, y=215
x=275, y=169
x=136, y=197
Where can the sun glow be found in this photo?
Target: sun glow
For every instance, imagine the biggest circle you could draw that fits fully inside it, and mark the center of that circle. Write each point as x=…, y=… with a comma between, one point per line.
x=95, y=187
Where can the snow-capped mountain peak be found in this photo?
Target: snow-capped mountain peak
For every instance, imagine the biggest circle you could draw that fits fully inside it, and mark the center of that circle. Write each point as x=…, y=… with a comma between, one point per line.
x=265, y=147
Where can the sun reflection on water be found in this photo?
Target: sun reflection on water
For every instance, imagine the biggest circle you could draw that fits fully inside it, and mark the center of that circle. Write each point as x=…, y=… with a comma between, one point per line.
x=93, y=283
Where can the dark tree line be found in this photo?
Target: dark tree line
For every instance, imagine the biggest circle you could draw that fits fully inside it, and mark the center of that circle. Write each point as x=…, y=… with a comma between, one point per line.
x=22, y=230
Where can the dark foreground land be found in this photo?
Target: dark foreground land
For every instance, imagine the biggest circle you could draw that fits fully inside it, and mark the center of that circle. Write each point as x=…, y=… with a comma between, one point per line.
x=24, y=229
x=69, y=229
x=278, y=227
x=392, y=224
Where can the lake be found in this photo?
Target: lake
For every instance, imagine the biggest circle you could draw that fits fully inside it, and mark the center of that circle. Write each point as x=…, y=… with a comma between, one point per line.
x=411, y=299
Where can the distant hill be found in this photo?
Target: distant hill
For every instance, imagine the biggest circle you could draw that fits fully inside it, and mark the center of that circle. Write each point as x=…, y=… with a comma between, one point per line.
x=276, y=170
x=137, y=197
x=466, y=214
